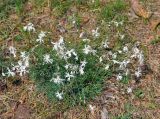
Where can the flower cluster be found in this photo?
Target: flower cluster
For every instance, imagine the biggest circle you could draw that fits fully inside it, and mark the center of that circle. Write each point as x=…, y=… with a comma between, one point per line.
x=20, y=68
x=70, y=70
x=123, y=66
x=41, y=37
x=88, y=49
x=95, y=33
x=47, y=59
x=69, y=56
x=29, y=27
x=116, y=23
x=12, y=51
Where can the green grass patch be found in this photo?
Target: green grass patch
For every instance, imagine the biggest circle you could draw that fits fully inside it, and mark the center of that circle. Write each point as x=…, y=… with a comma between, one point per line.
x=155, y=41
x=125, y=80
x=60, y=7
x=139, y=93
x=9, y=6
x=113, y=9
x=79, y=89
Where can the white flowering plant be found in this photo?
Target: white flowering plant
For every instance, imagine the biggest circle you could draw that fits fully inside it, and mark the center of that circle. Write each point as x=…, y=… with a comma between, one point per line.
x=5, y=65
x=69, y=72
x=75, y=71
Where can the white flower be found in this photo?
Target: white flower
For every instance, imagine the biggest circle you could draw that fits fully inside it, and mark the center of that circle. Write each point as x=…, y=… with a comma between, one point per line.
x=91, y=108
x=82, y=66
x=121, y=22
x=93, y=52
x=107, y=67
x=62, y=55
x=129, y=90
x=105, y=44
x=81, y=35
x=119, y=51
x=114, y=56
x=47, y=59
x=12, y=51
x=23, y=55
x=135, y=52
x=116, y=23
x=74, y=22
x=60, y=48
x=71, y=67
x=115, y=62
x=93, y=1
x=141, y=58
x=71, y=52
x=61, y=40
x=21, y=67
x=10, y=73
x=29, y=27
x=59, y=95
x=122, y=36
x=42, y=34
x=119, y=77
x=125, y=49
x=110, y=53
x=138, y=54
x=69, y=76
x=75, y=54
x=88, y=49
x=138, y=73
x=57, y=80
x=100, y=59
x=67, y=66
x=83, y=63
x=124, y=64
x=41, y=37
x=26, y=61
x=127, y=72
x=25, y=58
x=22, y=70
x=3, y=74
x=95, y=33
x=56, y=46
x=81, y=70
x=86, y=40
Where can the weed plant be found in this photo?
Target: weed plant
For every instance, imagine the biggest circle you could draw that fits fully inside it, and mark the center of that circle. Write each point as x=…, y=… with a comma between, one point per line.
x=75, y=72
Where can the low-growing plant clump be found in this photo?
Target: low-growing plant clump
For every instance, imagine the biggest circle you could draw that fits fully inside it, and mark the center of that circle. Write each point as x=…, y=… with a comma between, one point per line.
x=75, y=72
